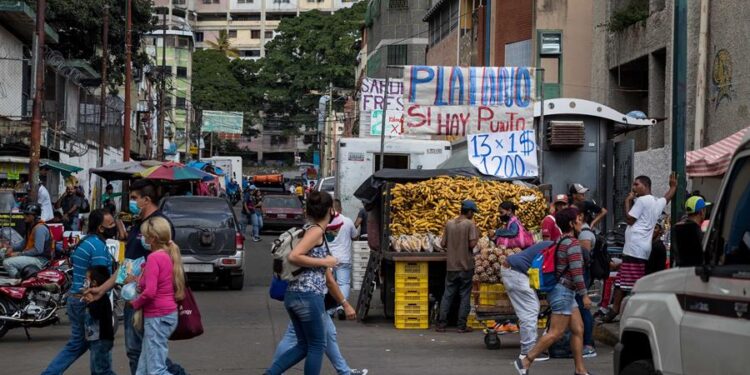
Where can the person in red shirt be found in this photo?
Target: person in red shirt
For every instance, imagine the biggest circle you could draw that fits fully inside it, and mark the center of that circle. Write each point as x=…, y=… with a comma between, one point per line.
x=550, y=230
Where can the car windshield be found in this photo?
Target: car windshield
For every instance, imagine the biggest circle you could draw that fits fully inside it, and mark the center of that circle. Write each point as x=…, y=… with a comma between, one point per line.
x=281, y=202
x=214, y=213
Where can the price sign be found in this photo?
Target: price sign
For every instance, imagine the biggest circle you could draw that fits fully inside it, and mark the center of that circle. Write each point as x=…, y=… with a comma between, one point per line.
x=506, y=154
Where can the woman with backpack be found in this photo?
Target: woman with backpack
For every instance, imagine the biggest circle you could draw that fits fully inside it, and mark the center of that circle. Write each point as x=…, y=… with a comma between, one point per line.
x=512, y=234
x=304, y=297
x=562, y=301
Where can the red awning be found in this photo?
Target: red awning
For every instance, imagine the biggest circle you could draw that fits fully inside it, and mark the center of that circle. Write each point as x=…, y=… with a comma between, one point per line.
x=714, y=160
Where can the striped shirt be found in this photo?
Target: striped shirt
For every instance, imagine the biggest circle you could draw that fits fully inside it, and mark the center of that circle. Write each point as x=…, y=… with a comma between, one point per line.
x=92, y=251
x=569, y=265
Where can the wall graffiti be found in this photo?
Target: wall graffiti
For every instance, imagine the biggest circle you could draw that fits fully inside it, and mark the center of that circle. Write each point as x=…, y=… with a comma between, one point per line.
x=722, y=77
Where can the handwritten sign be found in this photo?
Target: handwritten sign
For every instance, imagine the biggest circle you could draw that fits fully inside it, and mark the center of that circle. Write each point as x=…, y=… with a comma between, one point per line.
x=510, y=154
x=462, y=120
x=371, y=95
x=447, y=100
x=394, y=121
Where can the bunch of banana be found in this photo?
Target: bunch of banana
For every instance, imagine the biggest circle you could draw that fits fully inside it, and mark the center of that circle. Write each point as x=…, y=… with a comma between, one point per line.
x=425, y=207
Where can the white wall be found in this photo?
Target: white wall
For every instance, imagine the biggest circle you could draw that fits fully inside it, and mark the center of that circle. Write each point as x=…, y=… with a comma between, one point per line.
x=11, y=75
x=87, y=161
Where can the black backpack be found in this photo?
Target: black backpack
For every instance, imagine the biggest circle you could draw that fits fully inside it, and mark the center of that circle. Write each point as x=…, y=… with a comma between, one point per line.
x=599, y=259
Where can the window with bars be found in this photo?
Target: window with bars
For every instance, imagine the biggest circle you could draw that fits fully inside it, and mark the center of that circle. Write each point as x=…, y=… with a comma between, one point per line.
x=232, y=33
x=181, y=72
x=245, y=1
x=269, y=34
x=397, y=54
x=443, y=21
x=255, y=34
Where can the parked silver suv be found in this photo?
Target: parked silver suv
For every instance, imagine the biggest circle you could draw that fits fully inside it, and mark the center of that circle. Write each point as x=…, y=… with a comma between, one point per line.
x=696, y=320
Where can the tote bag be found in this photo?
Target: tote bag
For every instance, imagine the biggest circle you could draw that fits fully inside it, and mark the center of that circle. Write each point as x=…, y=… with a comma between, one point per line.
x=189, y=323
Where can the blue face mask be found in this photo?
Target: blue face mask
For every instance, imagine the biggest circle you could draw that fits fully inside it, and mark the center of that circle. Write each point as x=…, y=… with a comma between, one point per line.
x=145, y=244
x=133, y=207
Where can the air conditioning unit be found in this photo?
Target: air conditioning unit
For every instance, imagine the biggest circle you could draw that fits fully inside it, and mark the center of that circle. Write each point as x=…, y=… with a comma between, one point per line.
x=565, y=135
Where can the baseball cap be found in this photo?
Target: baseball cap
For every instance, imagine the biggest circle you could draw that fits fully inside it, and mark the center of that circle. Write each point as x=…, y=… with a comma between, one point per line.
x=560, y=198
x=469, y=205
x=578, y=189
x=695, y=204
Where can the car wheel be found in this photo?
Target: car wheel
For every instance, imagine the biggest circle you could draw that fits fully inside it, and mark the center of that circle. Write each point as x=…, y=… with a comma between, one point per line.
x=237, y=282
x=642, y=367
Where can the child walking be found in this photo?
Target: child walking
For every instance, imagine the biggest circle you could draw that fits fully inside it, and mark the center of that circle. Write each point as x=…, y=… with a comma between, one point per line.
x=100, y=330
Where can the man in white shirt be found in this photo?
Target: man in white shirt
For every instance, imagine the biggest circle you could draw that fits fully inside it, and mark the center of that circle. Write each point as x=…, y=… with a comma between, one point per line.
x=642, y=213
x=44, y=200
x=341, y=248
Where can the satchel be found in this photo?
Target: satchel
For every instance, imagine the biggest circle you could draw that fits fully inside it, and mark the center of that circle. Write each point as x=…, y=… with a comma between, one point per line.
x=189, y=323
x=278, y=288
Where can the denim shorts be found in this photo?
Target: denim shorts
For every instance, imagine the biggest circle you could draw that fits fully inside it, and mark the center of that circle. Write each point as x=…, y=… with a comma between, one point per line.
x=562, y=300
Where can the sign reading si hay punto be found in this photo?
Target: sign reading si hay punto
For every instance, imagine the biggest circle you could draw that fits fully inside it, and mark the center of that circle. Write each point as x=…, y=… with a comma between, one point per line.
x=457, y=101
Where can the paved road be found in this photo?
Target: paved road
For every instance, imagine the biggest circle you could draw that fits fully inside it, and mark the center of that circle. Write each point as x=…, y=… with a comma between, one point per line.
x=242, y=328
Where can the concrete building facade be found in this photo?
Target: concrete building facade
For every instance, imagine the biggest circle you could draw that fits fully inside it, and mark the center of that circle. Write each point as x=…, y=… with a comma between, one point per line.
x=632, y=70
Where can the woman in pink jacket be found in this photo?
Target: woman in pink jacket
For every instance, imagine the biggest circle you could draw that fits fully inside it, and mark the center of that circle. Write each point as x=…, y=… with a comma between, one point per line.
x=162, y=284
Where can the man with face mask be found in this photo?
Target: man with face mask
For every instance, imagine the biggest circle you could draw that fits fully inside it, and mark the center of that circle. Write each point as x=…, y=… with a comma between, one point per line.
x=339, y=235
x=143, y=204
x=91, y=251
x=36, y=248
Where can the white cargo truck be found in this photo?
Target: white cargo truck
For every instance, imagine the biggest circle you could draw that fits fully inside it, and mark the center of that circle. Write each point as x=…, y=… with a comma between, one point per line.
x=359, y=158
x=232, y=165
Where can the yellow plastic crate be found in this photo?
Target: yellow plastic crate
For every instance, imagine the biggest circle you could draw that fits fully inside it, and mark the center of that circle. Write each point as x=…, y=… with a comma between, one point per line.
x=412, y=322
x=411, y=282
x=489, y=294
x=471, y=321
x=412, y=309
x=419, y=269
x=420, y=295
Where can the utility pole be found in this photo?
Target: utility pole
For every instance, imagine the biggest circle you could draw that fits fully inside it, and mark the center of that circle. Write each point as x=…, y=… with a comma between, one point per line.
x=128, y=80
x=103, y=104
x=679, y=104
x=162, y=89
x=36, y=119
x=384, y=119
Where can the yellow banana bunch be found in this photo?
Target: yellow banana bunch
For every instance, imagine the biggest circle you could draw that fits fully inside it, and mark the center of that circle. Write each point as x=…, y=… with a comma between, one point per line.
x=424, y=207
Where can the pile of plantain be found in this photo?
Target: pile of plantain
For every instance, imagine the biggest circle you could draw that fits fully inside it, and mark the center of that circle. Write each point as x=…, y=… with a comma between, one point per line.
x=424, y=207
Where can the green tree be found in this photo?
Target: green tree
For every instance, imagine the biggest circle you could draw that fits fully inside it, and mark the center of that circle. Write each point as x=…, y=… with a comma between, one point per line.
x=79, y=25
x=224, y=45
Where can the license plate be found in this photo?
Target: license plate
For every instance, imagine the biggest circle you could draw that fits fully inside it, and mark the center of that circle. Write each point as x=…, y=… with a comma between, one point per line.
x=283, y=216
x=198, y=268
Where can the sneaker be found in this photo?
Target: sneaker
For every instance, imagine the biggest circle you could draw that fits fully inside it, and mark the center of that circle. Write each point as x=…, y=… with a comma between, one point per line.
x=518, y=364
x=257, y=239
x=465, y=330
x=358, y=372
x=542, y=357
x=589, y=351
x=506, y=328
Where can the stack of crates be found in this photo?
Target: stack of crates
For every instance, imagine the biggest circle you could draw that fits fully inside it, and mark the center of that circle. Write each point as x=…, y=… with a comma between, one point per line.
x=412, y=295
x=360, y=257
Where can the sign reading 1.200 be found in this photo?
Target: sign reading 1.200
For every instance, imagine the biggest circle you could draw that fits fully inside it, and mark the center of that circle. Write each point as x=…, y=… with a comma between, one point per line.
x=505, y=154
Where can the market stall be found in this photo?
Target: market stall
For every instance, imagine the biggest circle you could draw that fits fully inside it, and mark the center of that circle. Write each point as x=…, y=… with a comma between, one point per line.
x=412, y=208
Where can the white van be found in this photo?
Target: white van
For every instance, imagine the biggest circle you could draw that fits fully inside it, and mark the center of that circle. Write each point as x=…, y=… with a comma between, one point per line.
x=696, y=320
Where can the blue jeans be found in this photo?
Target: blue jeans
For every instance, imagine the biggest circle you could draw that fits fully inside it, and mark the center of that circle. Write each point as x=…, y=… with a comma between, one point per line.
x=588, y=322
x=332, y=347
x=456, y=282
x=343, y=275
x=133, y=345
x=256, y=220
x=16, y=264
x=101, y=357
x=77, y=344
x=308, y=317
x=156, y=332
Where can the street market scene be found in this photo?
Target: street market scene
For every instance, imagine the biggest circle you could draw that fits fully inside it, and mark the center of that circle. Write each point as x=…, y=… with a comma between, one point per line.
x=374, y=187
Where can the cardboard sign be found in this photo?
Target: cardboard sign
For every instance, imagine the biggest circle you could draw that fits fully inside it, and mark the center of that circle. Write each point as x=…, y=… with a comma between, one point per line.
x=446, y=100
x=371, y=95
x=510, y=154
x=394, y=121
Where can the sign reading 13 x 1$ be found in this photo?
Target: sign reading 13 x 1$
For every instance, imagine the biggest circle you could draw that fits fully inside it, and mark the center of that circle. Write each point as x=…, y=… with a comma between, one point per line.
x=506, y=155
